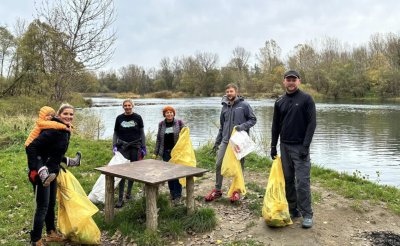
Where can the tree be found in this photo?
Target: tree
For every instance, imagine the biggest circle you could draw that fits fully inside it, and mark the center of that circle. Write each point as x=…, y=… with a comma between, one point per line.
x=269, y=56
x=166, y=74
x=87, y=27
x=7, y=43
x=133, y=79
x=239, y=62
x=209, y=72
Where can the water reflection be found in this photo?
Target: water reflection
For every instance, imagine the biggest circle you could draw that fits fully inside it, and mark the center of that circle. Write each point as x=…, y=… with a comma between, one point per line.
x=349, y=137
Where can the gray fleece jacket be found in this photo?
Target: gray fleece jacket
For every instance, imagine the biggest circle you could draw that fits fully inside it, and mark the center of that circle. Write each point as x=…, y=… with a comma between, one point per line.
x=236, y=113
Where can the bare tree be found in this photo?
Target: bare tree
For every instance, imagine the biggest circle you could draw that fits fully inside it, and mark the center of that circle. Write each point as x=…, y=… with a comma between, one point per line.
x=7, y=43
x=239, y=62
x=240, y=58
x=269, y=56
x=207, y=61
x=87, y=25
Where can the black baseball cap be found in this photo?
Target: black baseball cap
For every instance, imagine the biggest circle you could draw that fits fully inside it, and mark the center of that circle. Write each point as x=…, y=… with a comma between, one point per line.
x=291, y=73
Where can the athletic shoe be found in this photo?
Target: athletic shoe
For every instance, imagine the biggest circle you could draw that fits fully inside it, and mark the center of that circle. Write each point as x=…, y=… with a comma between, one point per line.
x=214, y=194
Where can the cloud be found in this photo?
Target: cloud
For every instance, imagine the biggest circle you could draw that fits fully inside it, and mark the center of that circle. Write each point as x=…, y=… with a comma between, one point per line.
x=153, y=29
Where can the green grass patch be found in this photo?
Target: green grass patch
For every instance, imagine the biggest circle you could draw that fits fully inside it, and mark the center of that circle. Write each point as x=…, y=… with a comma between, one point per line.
x=205, y=157
x=173, y=221
x=316, y=197
x=18, y=205
x=356, y=187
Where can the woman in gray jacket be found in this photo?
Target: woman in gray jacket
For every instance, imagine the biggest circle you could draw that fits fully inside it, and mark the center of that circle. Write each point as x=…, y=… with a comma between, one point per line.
x=167, y=136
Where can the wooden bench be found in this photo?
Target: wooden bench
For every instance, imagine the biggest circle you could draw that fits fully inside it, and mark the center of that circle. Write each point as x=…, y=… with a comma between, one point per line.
x=152, y=173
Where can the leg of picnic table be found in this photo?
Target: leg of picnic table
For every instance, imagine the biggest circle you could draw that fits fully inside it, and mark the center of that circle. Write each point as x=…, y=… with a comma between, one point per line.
x=109, y=202
x=190, y=194
x=151, y=206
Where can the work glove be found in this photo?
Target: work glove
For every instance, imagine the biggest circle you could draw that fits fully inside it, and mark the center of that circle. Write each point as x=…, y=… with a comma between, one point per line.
x=154, y=156
x=114, y=149
x=304, y=151
x=33, y=174
x=274, y=153
x=143, y=151
x=239, y=128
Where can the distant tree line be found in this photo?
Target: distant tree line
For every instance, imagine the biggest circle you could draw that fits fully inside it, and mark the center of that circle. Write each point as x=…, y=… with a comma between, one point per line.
x=328, y=68
x=62, y=50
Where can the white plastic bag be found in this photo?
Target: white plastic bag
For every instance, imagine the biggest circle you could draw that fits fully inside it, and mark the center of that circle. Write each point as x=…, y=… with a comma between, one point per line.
x=97, y=195
x=242, y=144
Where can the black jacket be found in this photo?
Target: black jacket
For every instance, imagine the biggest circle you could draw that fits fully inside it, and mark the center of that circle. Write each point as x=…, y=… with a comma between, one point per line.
x=49, y=148
x=294, y=119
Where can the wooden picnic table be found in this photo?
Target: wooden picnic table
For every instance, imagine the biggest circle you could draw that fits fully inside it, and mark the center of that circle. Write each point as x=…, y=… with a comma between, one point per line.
x=152, y=173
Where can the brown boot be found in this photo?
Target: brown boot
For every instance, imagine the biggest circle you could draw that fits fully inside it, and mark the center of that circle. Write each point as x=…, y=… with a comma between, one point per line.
x=53, y=236
x=38, y=243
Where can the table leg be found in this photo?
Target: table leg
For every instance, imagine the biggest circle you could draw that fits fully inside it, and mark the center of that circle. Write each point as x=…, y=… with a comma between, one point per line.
x=109, y=199
x=151, y=206
x=190, y=194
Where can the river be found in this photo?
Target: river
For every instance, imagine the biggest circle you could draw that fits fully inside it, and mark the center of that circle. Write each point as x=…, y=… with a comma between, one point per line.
x=350, y=137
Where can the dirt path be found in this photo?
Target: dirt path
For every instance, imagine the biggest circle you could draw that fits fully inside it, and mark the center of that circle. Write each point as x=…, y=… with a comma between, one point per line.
x=336, y=220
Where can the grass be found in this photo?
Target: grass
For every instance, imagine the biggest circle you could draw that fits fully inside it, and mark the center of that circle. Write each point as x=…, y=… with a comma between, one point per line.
x=17, y=197
x=357, y=188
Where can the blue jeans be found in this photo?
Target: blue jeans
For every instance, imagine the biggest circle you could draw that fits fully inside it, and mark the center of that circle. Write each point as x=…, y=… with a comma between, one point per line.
x=45, y=203
x=175, y=188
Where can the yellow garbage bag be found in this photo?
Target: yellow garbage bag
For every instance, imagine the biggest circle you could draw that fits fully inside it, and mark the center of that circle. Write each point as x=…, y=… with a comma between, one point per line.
x=75, y=211
x=275, y=208
x=183, y=152
x=231, y=167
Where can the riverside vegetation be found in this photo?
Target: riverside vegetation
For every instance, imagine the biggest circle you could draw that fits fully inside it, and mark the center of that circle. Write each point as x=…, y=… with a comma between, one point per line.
x=18, y=206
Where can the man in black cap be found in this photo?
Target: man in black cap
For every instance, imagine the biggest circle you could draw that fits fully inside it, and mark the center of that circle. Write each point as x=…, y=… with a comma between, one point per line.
x=294, y=122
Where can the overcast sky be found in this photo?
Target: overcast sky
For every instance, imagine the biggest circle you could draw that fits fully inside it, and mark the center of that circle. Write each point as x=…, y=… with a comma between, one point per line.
x=149, y=30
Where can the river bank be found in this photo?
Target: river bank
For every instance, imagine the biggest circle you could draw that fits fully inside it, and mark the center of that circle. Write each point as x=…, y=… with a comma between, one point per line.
x=346, y=206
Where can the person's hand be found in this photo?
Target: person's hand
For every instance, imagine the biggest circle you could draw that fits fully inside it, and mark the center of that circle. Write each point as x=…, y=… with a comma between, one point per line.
x=304, y=151
x=215, y=149
x=274, y=153
x=143, y=151
x=154, y=156
x=114, y=149
x=68, y=128
x=239, y=128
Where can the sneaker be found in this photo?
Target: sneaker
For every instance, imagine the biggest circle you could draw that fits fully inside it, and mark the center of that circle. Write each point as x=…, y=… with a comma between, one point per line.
x=128, y=196
x=76, y=161
x=53, y=236
x=295, y=214
x=45, y=177
x=307, y=222
x=214, y=194
x=235, y=196
x=119, y=204
x=38, y=243
x=176, y=202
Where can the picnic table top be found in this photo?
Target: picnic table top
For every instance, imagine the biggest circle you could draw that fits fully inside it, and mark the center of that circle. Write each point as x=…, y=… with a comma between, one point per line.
x=151, y=171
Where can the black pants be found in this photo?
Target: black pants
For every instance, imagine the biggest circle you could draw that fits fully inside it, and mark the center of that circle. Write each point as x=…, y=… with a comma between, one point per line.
x=45, y=203
x=132, y=154
x=175, y=188
x=297, y=178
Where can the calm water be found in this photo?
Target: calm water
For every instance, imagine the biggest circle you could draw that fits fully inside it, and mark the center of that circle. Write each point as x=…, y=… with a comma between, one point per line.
x=349, y=137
